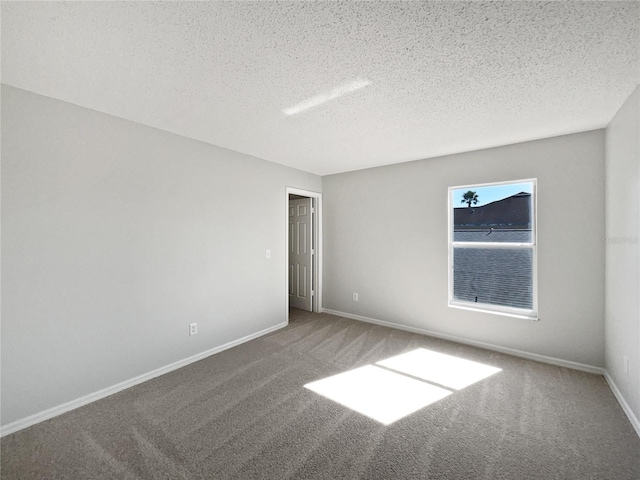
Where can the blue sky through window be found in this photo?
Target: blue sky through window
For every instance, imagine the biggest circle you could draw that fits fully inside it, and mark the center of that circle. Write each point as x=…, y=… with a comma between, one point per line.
x=491, y=193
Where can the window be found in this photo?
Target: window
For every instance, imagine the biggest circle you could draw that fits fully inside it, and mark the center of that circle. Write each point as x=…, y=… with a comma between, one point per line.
x=492, y=248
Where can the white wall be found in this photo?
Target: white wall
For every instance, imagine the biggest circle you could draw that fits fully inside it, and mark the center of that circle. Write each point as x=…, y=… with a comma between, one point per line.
x=385, y=237
x=115, y=237
x=622, y=259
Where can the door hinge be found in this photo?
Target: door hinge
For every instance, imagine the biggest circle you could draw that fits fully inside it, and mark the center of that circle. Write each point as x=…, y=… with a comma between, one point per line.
x=313, y=293
x=313, y=210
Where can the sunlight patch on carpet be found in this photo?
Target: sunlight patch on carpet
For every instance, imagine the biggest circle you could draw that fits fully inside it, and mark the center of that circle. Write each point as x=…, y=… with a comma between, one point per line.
x=401, y=385
x=378, y=393
x=446, y=370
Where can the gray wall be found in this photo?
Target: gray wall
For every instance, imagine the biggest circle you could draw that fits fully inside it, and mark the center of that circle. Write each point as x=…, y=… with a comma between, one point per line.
x=115, y=237
x=623, y=261
x=385, y=237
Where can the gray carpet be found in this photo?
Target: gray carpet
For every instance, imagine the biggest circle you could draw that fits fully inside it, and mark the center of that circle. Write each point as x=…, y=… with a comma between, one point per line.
x=244, y=414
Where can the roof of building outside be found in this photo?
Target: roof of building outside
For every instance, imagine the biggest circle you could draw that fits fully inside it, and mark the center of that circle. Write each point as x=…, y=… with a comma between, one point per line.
x=512, y=212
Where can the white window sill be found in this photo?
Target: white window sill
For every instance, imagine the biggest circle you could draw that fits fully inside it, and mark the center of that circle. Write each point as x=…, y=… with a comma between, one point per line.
x=483, y=308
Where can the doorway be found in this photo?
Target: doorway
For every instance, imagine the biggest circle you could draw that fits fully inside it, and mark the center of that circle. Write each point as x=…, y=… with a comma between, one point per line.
x=303, y=246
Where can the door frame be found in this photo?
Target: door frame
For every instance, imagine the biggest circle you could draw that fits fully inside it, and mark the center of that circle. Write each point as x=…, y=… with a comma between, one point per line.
x=316, y=197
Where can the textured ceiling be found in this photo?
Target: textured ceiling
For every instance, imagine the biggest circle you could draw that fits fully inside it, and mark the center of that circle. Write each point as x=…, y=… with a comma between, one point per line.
x=329, y=87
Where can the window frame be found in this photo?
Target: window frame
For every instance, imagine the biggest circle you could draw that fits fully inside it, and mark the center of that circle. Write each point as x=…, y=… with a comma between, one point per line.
x=522, y=313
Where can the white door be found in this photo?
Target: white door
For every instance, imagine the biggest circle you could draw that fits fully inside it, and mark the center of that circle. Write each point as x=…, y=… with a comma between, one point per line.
x=300, y=254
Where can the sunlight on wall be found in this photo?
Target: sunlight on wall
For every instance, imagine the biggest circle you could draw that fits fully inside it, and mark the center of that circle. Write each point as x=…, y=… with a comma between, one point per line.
x=326, y=96
x=419, y=378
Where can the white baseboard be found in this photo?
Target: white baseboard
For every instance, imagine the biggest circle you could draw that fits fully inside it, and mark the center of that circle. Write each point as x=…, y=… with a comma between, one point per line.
x=623, y=403
x=496, y=348
x=105, y=392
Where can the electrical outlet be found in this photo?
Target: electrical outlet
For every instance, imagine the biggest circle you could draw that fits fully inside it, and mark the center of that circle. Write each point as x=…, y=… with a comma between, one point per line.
x=355, y=297
x=193, y=329
x=625, y=364
x=267, y=253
